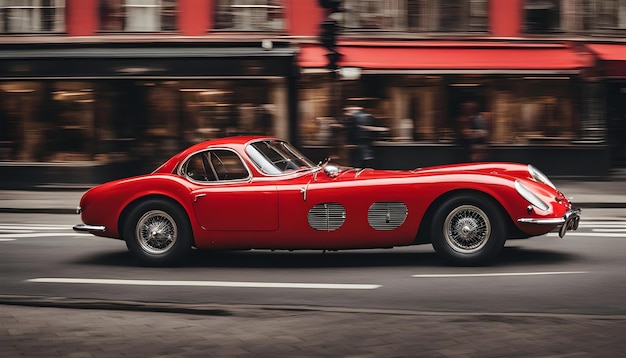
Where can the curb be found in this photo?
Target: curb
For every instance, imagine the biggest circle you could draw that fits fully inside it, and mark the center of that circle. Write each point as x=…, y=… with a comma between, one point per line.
x=248, y=310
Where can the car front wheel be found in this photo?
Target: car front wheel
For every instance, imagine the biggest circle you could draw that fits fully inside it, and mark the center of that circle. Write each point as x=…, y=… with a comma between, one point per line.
x=468, y=230
x=158, y=233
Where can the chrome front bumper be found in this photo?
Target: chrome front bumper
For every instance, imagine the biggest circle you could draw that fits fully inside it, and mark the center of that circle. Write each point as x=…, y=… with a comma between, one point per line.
x=568, y=222
x=88, y=228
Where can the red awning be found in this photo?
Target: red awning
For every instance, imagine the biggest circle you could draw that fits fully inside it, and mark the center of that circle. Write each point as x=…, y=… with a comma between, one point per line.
x=611, y=52
x=613, y=58
x=450, y=57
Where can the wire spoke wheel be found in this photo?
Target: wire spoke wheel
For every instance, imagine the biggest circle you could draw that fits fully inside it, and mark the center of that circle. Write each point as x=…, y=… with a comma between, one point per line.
x=156, y=232
x=467, y=229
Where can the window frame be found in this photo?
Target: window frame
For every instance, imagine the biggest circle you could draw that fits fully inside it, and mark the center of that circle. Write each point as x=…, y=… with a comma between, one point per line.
x=421, y=16
x=584, y=17
x=268, y=167
x=206, y=155
x=618, y=12
x=114, y=15
x=274, y=10
x=554, y=12
x=36, y=21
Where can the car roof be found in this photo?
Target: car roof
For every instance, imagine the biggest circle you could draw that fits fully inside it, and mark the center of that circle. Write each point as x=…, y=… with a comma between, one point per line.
x=236, y=142
x=226, y=141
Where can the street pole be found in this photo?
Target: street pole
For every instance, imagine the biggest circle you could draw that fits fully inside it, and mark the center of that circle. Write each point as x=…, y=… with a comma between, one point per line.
x=329, y=29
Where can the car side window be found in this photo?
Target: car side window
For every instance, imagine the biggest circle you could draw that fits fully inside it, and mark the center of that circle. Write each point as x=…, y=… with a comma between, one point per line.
x=215, y=165
x=227, y=165
x=197, y=168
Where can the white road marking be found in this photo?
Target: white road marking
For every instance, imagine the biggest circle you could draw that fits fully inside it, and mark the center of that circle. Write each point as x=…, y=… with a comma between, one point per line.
x=334, y=286
x=602, y=226
x=607, y=225
x=43, y=234
x=14, y=231
x=33, y=227
x=604, y=218
x=593, y=234
x=10, y=232
x=501, y=274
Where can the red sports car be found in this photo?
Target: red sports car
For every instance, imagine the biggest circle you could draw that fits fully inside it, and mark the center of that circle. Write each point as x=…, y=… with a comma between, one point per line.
x=261, y=193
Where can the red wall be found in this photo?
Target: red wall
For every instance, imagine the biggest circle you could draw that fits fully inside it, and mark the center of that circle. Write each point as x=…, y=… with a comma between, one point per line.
x=82, y=17
x=303, y=17
x=194, y=17
x=505, y=17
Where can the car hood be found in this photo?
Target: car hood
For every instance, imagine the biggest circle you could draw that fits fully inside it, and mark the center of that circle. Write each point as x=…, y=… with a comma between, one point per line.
x=513, y=169
x=493, y=168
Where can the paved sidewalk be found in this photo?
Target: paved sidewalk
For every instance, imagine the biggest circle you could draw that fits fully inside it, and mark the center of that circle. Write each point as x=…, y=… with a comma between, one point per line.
x=275, y=332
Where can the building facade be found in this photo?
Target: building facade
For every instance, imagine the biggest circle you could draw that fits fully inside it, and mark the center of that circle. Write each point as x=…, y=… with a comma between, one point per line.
x=91, y=90
x=547, y=75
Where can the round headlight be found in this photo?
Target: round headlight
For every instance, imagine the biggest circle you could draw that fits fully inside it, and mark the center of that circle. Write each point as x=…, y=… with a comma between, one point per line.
x=530, y=196
x=537, y=175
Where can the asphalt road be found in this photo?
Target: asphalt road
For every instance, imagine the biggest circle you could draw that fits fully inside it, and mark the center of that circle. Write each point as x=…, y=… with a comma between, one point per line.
x=553, y=287
x=581, y=274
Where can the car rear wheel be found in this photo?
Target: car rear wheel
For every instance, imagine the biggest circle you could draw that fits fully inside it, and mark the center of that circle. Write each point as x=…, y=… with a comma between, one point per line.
x=468, y=230
x=158, y=232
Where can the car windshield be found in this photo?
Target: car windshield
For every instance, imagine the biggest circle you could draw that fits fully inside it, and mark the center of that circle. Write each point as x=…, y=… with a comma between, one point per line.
x=277, y=157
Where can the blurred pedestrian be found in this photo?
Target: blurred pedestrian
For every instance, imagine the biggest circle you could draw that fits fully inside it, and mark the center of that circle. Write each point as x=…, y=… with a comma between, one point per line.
x=360, y=136
x=473, y=131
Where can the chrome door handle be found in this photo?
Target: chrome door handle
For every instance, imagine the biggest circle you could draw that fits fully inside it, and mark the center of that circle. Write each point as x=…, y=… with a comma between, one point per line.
x=303, y=190
x=195, y=199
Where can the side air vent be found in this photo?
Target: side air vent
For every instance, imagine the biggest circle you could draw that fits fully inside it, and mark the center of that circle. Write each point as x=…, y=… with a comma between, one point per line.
x=387, y=215
x=327, y=216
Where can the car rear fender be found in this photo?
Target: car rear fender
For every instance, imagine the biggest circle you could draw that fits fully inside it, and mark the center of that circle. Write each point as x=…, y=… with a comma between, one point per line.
x=137, y=201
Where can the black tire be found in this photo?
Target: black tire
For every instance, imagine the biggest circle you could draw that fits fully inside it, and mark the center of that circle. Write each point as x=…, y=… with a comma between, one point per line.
x=468, y=230
x=158, y=232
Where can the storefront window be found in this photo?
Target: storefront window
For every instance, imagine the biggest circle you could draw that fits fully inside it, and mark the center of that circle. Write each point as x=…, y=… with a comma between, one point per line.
x=426, y=109
x=72, y=106
x=113, y=121
x=424, y=116
x=249, y=15
x=44, y=121
x=535, y=111
x=32, y=16
x=138, y=15
x=22, y=132
x=214, y=109
x=316, y=120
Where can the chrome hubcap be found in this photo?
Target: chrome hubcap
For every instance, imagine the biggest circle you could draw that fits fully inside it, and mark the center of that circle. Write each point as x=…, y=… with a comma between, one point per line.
x=467, y=229
x=156, y=231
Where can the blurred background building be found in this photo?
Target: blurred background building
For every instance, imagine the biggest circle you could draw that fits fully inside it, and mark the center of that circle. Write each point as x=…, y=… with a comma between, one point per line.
x=92, y=90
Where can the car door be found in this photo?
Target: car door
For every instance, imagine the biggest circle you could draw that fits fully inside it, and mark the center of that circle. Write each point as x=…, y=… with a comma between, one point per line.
x=318, y=209
x=346, y=211
x=227, y=199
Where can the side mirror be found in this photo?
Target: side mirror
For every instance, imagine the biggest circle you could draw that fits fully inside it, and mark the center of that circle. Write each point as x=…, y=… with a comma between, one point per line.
x=331, y=171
